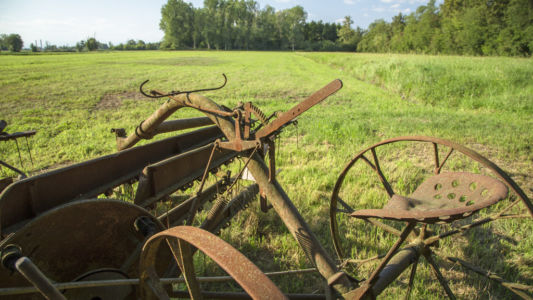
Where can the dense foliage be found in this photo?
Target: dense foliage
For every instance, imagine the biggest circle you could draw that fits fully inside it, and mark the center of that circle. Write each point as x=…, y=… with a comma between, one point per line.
x=474, y=27
x=241, y=24
x=477, y=27
x=12, y=42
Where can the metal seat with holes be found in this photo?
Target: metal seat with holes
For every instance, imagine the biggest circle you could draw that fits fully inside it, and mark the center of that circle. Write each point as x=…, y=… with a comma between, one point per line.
x=400, y=197
x=443, y=197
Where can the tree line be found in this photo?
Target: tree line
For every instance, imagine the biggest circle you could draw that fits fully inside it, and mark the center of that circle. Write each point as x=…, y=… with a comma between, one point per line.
x=464, y=27
x=242, y=25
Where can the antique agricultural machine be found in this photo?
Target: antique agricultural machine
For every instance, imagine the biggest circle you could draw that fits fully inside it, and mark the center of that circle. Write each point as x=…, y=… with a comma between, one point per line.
x=69, y=233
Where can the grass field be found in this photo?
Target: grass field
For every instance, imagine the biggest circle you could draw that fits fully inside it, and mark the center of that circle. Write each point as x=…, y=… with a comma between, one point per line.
x=73, y=100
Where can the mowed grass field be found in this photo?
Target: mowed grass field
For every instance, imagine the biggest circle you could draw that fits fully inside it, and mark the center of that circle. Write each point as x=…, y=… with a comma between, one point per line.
x=73, y=100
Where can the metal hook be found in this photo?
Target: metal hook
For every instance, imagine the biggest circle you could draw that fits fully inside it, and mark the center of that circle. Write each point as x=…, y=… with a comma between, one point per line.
x=154, y=94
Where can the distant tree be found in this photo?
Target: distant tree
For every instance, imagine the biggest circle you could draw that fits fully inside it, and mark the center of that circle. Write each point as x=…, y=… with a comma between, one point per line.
x=131, y=44
x=3, y=42
x=91, y=44
x=177, y=24
x=348, y=37
x=377, y=39
x=33, y=48
x=141, y=45
x=14, y=42
x=292, y=23
x=80, y=46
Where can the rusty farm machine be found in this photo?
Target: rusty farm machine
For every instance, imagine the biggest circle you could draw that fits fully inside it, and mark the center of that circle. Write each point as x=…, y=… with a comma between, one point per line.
x=71, y=234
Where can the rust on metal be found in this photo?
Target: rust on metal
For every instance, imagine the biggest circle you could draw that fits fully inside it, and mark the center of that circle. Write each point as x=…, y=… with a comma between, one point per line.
x=445, y=197
x=26, y=199
x=245, y=273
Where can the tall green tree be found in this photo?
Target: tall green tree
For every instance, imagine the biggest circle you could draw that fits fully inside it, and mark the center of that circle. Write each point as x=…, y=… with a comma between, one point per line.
x=91, y=44
x=292, y=23
x=14, y=42
x=177, y=23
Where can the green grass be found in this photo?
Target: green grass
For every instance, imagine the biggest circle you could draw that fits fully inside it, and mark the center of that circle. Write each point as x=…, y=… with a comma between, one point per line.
x=73, y=100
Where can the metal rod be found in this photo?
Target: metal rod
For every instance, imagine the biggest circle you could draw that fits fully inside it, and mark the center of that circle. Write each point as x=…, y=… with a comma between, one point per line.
x=30, y=271
x=13, y=168
x=438, y=274
x=121, y=282
x=181, y=124
x=20, y=157
x=513, y=287
x=244, y=296
x=405, y=233
x=29, y=150
x=396, y=266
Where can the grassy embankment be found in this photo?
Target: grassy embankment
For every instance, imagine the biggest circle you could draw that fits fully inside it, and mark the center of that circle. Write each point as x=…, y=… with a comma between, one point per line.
x=73, y=100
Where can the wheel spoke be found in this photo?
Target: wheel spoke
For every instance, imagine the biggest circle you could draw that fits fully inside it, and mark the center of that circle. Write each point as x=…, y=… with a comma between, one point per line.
x=380, y=174
x=383, y=226
x=411, y=279
x=436, y=152
x=187, y=268
x=437, y=171
x=438, y=274
x=347, y=207
x=405, y=233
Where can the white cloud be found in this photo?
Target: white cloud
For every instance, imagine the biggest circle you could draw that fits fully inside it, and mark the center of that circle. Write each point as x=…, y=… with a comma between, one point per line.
x=395, y=5
x=349, y=2
x=378, y=9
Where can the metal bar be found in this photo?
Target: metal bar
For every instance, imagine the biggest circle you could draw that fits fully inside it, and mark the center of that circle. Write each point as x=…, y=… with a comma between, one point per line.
x=383, y=226
x=438, y=274
x=181, y=124
x=244, y=296
x=20, y=157
x=30, y=271
x=13, y=168
x=148, y=125
x=177, y=214
x=380, y=174
x=405, y=233
x=187, y=268
x=513, y=287
x=444, y=160
x=122, y=282
x=429, y=241
x=29, y=150
x=300, y=108
x=436, y=152
x=396, y=266
x=411, y=280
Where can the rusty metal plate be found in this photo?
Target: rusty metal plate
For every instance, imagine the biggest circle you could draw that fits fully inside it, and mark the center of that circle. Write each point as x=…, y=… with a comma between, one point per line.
x=442, y=198
x=77, y=238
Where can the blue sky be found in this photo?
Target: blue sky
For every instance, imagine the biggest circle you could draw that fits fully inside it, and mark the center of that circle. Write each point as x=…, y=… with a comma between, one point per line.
x=64, y=22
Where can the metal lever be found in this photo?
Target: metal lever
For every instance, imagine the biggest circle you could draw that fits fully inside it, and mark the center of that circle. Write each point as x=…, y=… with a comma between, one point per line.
x=12, y=259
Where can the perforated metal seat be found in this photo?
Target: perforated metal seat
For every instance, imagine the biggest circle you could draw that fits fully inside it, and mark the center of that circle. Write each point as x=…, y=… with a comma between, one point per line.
x=441, y=198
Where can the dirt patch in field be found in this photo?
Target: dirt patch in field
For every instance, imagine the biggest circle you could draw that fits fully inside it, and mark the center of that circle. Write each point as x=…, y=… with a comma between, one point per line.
x=112, y=101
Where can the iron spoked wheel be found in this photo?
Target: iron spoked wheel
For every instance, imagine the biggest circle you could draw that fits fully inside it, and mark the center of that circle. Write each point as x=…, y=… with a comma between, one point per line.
x=182, y=240
x=495, y=238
